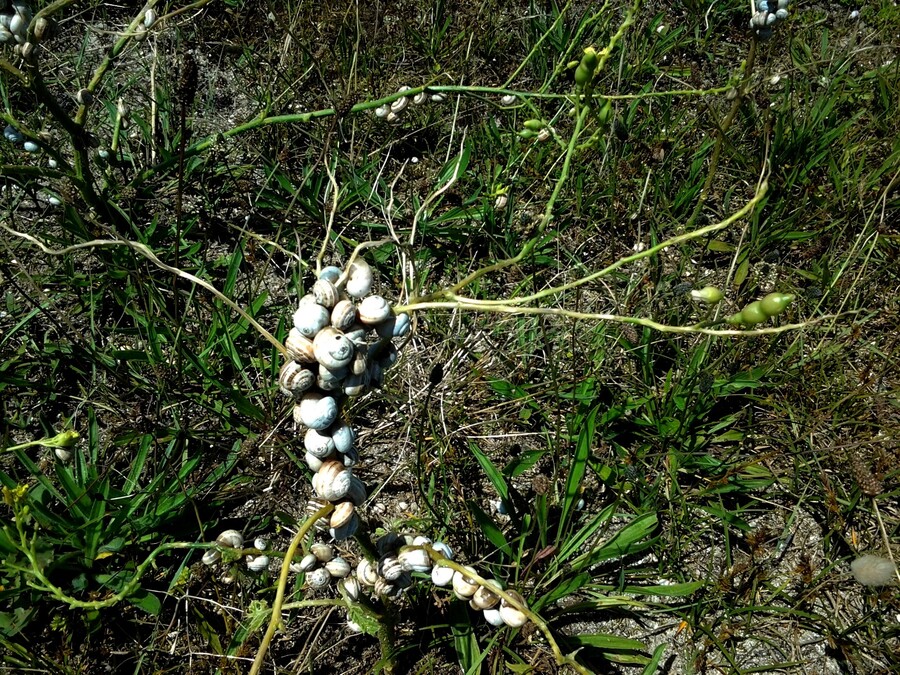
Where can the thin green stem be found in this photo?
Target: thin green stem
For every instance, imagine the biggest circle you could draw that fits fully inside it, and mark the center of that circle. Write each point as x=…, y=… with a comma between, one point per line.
x=277, y=606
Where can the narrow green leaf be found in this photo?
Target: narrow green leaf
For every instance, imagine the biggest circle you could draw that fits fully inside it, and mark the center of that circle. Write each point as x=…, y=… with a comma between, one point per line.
x=490, y=529
x=577, y=470
x=492, y=472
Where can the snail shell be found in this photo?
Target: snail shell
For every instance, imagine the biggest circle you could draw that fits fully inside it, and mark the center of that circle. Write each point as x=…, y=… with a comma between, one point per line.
x=318, y=445
x=386, y=588
x=492, y=616
x=511, y=616
x=393, y=326
x=318, y=578
x=357, y=492
x=420, y=98
x=388, y=543
x=342, y=436
x=211, y=557
x=230, y=539
x=399, y=105
x=421, y=540
x=330, y=273
x=366, y=572
x=373, y=310
x=484, y=598
x=382, y=111
x=360, y=362
x=415, y=560
x=325, y=293
x=323, y=552
x=443, y=549
x=316, y=410
x=299, y=347
x=463, y=586
x=332, y=481
x=343, y=513
x=257, y=563
x=350, y=586
x=313, y=506
x=509, y=99
x=260, y=543
x=333, y=349
x=355, y=385
x=441, y=576
x=345, y=531
x=338, y=568
x=313, y=462
x=308, y=562
x=343, y=315
x=357, y=334
x=350, y=458
x=390, y=568
x=310, y=318
x=294, y=378
x=149, y=18
x=331, y=379
x=359, y=278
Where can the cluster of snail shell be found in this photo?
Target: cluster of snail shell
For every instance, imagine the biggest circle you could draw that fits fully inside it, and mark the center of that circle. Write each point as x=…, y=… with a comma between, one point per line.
x=769, y=13
x=15, y=137
x=340, y=345
x=391, y=112
x=321, y=566
x=400, y=556
x=14, y=20
x=232, y=539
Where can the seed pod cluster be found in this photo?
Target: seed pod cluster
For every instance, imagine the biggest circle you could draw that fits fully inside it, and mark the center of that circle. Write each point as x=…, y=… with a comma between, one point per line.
x=584, y=71
x=769, y=13
x=340, y=346
x=14, y=20
x=759, y=310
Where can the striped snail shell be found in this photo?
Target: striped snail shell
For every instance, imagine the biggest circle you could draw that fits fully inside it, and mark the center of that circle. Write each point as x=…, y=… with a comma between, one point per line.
x=294, y=378
x=333, y=349
x=299, y=347
x=359, y=278
x=343, y=315
x=325, y=293
x=373, y=310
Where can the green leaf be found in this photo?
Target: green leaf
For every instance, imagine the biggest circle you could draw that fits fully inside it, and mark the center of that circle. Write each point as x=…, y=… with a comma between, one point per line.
x=577, y=469
x=626, y=541
x=521, y=464
x=603, y=641
x=146, y=600
x=490, y=529
x=493, y=474
x=467, y=652
x=650, y=668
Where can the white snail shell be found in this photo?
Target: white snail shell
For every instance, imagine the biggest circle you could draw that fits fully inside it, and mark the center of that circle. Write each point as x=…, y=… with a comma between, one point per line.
x=308, y=562
x=355, y=385
x=421, y=540
x=342, y=436
x=399, y=105
x=420, y=98
x=338, y=568
x=299, y=347
x=343, y=315
x=441, y=576
x=332, y=481
x=463, y=586
x=443, y=549
x=333, y=349
x=310, y=318
x=373, y=310
x=360, y=362
x=390, y=568
x=294, y=378
x=351, y=587
x=330, y=273
x=414, y=560
x=509, y=99
x=357, y=334
x=438, y=98
x=359, y=279
x=257, y=563
x=382, y=111
x=230, y=539
x=313, y=462
x=511, y=616
x=260, y=544
x=325, y=293
x=316, y=410
x=323, y=552
x=492, y=616
x=349, y=459
x=366, y=572
x=318, y=445
x=318, y=578
x=331, y=379
x=211, y=557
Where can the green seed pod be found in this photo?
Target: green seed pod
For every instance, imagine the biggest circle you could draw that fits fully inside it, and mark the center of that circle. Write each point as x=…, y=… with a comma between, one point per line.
x=527, y=134
x=708, y=294
x=590, y=60
x=583, y=75
x=753, y=314
x=534, y=125
x=571, y=64
x=605, y=113
x=775, y=303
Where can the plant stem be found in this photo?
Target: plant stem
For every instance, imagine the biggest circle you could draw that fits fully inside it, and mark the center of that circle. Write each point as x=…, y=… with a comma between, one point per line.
x=275, y=621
